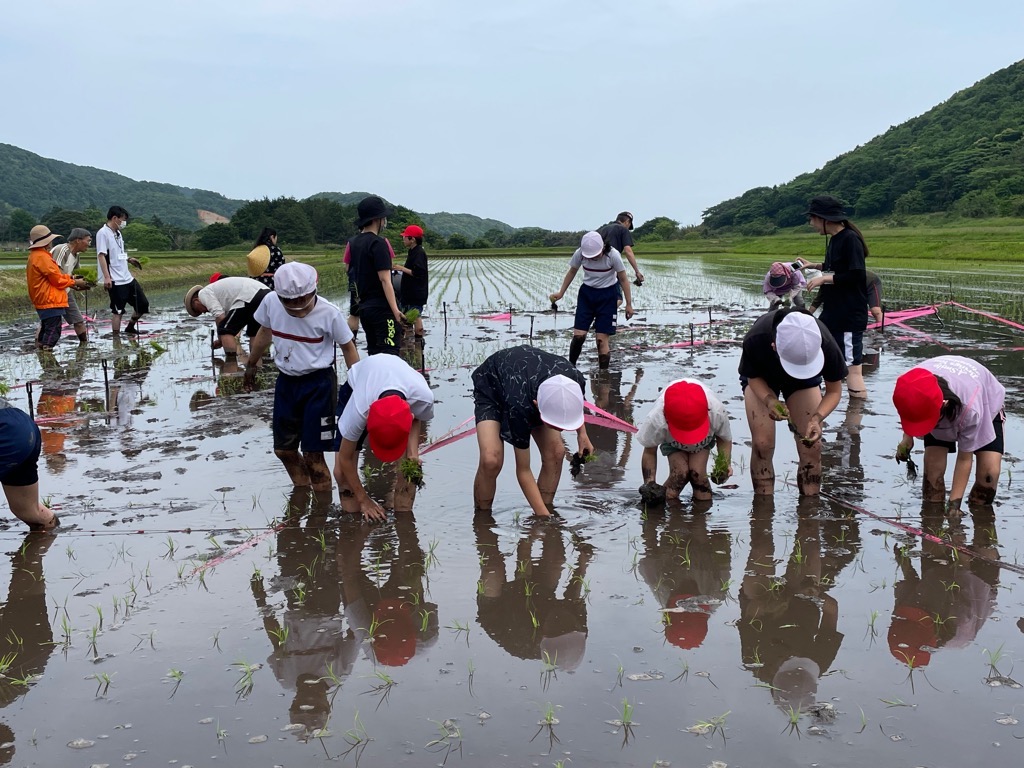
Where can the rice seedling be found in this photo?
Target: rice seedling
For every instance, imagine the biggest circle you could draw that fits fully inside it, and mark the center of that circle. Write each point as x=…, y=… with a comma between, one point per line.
x=103, y=683
x=720, y=468
x=99, y=613
x=222, y=735
x=793, y=716
x=65, y=629
x=245, y=683
x=424, y=619
x=383, y=687
x=143, y=638
x=92, y=635
x=548, y=669
x=472, y=672
x=871, y=624
x=70, y=552
x=216, y=639
x=299, y=592
x=176, y=675
x=448, y=740
x=280, y=635
x=456, y=626
x=357, y=739
x=547, y=723
x=710, y=726
x=897, y=702
x=684, y=673
x=6, y=661
x=412, y=470
x=171, y=546
x=430, y=559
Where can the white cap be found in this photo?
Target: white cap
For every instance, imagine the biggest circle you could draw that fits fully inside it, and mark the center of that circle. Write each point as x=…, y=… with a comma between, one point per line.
x=591, y=245
x=293, y=280
x=798, y=342
x=795, y=684
x=560, y=402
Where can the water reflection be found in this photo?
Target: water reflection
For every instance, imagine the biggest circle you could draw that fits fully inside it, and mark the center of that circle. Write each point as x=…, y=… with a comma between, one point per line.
x=841, y=456
x=26, y=639
x=788, y=625
x=609, y=466
x=58, y=401
x=688, y=568
x=131, y=365
x=948, y=602
x=524, y=614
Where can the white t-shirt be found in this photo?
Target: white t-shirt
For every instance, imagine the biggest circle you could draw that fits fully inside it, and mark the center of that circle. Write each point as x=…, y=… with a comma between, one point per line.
x=229, y=293
x=112, y=244
x=303, y=344
x=374, y=375
x=601, y=271
x=653, y=430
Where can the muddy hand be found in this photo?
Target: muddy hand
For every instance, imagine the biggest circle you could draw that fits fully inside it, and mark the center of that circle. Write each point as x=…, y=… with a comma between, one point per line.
x=249, y=379
x=776, y=409
x=372, y=511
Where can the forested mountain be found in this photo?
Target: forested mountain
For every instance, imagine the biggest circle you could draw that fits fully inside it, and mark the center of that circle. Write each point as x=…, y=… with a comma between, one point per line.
x=965, y=157
x=38, y=184
x=466, y=224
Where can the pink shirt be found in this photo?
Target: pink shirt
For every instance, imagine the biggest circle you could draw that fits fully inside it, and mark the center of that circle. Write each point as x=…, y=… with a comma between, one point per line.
x=982, y=397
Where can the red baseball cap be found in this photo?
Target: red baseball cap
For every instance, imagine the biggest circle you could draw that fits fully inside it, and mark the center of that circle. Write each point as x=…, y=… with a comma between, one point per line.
x=687, y=630
x=686, y=411
x=395, y=643
x=918, y=401
x=388, y=425
x=911, y=630
x=412, y=231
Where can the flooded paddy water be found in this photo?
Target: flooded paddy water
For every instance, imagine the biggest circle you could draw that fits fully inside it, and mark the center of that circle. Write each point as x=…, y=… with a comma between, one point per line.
x=194, y=611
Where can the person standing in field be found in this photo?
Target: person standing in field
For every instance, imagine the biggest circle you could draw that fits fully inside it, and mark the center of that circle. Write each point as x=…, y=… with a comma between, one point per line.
x=304, y=329
x=955, y=404
x=112, y=264
x=67, y=256
x=20, y=445
x=518, y=394
x=874, y=289
x=233, y=302
x=619, y=234
x=844, y=295
x=414, y=276
x=265, y=258
x=48, y=286
x=604, y=275
x=371, y=257
x=788, y=353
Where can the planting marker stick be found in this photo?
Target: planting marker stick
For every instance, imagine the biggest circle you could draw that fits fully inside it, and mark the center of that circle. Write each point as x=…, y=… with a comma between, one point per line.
x=531, y=328
x=691, y=334
x=106, y=383
x=28, y=391
x=444, y=308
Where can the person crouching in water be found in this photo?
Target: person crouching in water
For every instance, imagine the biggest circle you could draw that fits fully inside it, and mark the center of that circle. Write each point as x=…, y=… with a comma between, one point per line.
x=233, y=302
x=788, y=353
x=304, y=329
x=955, y=404
x=597, y=302
x=784, y=285
x=686, y=420
x=519, y=394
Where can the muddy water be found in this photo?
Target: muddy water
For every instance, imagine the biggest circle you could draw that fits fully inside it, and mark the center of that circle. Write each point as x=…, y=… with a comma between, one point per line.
x=193, y=611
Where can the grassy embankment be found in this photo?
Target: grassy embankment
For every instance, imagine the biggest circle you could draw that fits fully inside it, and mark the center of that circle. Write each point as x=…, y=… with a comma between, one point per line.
x=931, y=244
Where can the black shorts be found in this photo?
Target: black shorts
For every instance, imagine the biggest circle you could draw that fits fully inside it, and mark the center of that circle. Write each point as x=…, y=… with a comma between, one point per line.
x=20, y=444
x=996, y=446
x=851, y=346
x=304, y=412
x=129, y=293
x=240, y=318
x=353, y=298
x=344, y=395
x=383, y=332
x=787, y=389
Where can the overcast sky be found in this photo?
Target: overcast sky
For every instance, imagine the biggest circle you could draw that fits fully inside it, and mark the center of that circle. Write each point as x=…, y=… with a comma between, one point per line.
x=553, y=113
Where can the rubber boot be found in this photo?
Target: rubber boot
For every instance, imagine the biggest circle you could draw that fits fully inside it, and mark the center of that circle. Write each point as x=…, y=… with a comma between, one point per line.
x=575, y=348
x=603, y=361
x=131, y=327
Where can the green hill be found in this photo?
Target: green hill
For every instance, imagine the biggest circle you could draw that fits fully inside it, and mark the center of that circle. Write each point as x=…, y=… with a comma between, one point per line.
x=964, y=157
x=38, y=184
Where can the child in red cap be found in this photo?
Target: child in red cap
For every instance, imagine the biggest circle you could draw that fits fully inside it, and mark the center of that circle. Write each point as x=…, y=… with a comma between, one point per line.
x=413, y=293
x=686, y=420
x=955, y=404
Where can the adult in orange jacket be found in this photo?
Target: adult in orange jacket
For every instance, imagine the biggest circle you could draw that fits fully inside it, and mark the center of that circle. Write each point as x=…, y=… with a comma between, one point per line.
x=47, y=286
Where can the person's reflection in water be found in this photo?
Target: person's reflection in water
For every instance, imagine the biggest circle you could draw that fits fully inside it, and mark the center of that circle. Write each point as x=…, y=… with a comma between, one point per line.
x=131, y=367
x=524, y=614
x=310, y=634
x=25, y=631
x=687, y=568
x=608, y=468
x=840, y=456
x=59, y=398
x=788, y=624
x=949, y=602
x=384, y=588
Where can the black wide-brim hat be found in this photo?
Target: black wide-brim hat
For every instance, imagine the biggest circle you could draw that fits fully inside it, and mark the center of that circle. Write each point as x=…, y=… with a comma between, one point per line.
x=828, y=208
x=370, y=208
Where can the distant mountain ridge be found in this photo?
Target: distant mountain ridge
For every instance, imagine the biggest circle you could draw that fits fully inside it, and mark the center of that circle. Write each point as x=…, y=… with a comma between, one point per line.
x=964, y=157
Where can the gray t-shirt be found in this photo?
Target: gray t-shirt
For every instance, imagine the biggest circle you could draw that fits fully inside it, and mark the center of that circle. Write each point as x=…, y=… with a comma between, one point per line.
x=601, y=271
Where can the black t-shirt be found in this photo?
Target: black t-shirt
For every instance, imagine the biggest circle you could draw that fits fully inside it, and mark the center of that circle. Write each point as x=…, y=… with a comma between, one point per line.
x=760, y=361
x=509, y=380
x=414, y=286
x=370, y=255
x=845, y=302
x=617, y=235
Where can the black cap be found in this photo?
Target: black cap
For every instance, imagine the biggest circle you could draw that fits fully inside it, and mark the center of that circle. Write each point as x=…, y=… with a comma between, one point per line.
x=623, y=215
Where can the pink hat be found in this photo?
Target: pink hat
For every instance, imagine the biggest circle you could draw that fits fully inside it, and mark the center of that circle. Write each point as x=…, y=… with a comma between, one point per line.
x=779, y=274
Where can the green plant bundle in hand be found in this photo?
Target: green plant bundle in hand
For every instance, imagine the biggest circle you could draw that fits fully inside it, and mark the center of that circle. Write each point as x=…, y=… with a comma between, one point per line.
x=720, y=469
x=412, y=315
x=579, y=459
x=412, y=471
x=89, y=275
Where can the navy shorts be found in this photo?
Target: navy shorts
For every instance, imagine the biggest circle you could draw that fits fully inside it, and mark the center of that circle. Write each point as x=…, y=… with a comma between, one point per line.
x=996, y=446
x=304, y=412
x=49, y=330
x=129, y=293
x=20, y=443
x=596, y=307
x=851, y=345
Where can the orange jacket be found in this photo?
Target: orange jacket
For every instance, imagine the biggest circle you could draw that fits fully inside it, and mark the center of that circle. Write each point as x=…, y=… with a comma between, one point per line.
x=47, y=285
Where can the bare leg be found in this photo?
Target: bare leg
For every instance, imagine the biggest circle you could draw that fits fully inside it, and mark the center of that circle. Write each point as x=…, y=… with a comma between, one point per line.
x=82, y=332
x=25, y=504
x=989, y=464
x=697, y=474
x=934, y=482
x=115, y=323
x=492, y=457
x=762, y=445
x=678, y=475
x=801, y=405
x=576, y=345
x=552, y=456
x=229, y=344
x=604, y=355
x=855, y=382
x=317, y=472
x=295, y=465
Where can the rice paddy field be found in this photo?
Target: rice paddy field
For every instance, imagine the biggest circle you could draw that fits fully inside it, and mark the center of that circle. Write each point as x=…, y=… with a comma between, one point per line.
x=194, y=611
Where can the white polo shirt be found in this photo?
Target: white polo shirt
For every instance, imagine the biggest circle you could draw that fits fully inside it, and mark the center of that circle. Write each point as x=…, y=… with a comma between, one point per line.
x=112, y=244
x=652, y=431
x=303, y=344
x=602, y=271
x=229, y=293
x=374, y=375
